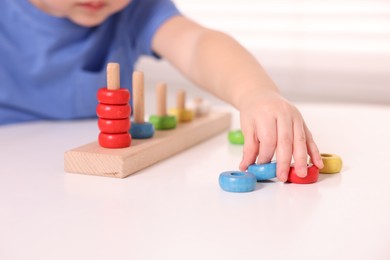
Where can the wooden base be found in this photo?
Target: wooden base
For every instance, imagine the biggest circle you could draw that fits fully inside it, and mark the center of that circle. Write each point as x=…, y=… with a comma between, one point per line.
x=95, y=160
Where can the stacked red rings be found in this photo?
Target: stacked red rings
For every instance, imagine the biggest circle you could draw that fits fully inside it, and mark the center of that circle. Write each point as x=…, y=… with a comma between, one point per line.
x=114, y=112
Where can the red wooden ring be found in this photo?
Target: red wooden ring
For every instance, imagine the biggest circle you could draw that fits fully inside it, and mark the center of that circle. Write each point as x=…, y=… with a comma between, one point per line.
x=113, y=97
x=121, y=140
x=113, y=111
x=311, y=177
x=114, y=126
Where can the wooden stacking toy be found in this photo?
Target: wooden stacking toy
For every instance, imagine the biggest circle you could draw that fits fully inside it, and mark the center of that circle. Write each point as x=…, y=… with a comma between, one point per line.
x=181, y=113
x=114, y=122
x=113, y=111
x=162, y=121
x=311, y=177
x=139, y=128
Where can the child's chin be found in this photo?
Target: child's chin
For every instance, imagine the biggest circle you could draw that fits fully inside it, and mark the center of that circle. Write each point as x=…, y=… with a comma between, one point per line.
x=88, y=22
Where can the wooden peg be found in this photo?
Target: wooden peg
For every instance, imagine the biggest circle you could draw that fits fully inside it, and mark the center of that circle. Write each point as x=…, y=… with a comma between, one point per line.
x=138, y=97
x=161, y=120
x=113, y=76
x=161, y=94
x=181, y=100
x=180, y=112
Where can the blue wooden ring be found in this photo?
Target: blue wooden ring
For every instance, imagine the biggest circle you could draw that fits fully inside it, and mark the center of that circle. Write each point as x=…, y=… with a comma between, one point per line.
x=236, y=181
x=141, y=131
x=264, y=171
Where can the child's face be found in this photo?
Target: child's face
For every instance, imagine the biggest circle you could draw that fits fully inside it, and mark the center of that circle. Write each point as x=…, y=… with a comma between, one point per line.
x=82, y=12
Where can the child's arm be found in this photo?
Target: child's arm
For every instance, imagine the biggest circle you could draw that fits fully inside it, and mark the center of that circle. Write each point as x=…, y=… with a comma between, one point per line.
x=220, y=65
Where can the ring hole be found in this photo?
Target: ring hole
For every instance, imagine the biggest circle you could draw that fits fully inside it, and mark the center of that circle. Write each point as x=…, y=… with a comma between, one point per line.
x=237, y=174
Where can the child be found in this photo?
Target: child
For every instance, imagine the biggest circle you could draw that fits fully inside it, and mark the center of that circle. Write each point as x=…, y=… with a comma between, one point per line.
x=53, y=56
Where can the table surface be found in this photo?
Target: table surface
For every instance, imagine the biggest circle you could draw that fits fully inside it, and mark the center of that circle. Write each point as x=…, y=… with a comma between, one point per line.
x=175, y=208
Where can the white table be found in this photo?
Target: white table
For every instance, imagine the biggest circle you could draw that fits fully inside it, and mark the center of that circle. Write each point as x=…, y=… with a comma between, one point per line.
x=176, y=210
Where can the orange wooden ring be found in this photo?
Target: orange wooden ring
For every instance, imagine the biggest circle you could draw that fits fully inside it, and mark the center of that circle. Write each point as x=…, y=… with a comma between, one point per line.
x=114, y=126
x=121, y=140
x=113, y=97
x=113, y=111
x=312, y=175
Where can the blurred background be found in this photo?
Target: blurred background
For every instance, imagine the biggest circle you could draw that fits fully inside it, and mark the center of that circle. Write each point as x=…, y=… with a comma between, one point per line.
x=315, y=50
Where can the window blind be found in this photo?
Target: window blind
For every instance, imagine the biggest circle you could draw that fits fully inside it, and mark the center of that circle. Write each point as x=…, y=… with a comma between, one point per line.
x=325, y=50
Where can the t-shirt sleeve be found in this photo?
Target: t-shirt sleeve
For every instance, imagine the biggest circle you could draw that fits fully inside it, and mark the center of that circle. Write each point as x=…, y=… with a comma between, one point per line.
x=147, y=16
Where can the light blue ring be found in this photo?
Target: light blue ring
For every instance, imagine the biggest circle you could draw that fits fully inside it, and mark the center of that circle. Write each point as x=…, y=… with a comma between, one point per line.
x=236, y=181
x=141, y=131
x=264, y=171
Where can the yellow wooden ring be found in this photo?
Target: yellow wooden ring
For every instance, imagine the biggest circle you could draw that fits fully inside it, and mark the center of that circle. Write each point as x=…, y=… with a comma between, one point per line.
x=332, y=163
x=182, y=115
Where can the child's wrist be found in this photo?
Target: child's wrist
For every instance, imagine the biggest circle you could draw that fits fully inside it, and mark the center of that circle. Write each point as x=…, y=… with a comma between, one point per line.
x=241, y=100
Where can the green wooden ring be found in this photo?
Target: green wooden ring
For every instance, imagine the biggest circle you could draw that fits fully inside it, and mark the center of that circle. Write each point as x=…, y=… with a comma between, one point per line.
x=163, y=122
x=236, y=137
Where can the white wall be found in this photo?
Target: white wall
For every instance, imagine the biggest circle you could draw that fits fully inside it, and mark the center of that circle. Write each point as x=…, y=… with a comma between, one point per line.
x=322, y=50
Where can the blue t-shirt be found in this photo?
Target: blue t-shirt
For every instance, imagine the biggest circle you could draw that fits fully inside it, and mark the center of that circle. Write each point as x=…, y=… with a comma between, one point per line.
x=51, y=68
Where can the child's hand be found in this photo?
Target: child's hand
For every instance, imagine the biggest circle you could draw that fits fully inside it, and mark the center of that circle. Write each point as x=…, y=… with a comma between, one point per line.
x=271, y=124
x=220, y=65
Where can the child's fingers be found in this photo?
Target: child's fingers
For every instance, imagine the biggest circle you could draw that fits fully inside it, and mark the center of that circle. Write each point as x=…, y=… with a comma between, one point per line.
x=266, y=132
x=299, y=149
x=250, y=150
x=284, y=148
x=312, y=149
